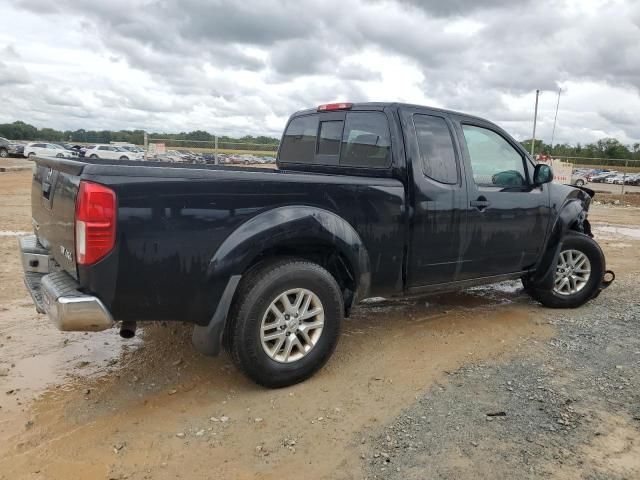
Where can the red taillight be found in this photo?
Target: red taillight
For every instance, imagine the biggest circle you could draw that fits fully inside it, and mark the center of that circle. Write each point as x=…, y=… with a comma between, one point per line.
x=335, y=106
x=95, y=222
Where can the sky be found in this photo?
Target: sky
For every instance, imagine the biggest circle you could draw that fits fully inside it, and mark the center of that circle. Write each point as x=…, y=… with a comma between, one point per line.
x=242, y=67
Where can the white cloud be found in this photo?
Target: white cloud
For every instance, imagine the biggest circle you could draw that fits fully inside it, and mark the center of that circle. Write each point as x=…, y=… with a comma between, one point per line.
x=242, y=68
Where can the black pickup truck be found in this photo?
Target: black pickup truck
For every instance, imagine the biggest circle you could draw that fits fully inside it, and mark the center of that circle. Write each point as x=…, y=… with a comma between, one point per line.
x=372, y=199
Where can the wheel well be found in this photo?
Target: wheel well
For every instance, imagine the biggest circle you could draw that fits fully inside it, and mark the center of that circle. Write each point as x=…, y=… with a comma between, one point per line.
x=324, y=255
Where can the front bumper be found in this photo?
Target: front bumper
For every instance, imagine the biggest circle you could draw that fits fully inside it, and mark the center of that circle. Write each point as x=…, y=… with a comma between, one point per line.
x=58, y=295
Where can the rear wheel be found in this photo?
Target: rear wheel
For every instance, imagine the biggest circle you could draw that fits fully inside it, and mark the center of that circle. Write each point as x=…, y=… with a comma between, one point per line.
x=93, y=155
x=580, y=183
x=4, y=153
x=285, y=322
x=124, y=158
x=578, y=275
x=31, y=155
x=59, y=155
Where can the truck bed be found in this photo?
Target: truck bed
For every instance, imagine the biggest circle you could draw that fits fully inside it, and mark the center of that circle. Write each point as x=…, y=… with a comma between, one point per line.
x=173, y=218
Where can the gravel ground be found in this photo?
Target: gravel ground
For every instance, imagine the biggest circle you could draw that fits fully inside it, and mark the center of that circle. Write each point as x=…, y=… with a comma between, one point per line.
x=566, y=408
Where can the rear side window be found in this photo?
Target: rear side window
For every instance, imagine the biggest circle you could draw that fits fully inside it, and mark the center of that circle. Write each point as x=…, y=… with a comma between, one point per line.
x=366, y=141
x=299, y=141
x=435, y=144
x=330, y=137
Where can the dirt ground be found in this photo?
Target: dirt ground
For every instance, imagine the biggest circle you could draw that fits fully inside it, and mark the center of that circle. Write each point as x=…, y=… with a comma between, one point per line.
x=96, y=406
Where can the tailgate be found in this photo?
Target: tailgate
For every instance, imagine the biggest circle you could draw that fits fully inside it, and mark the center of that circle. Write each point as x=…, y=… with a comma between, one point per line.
x=53, y=203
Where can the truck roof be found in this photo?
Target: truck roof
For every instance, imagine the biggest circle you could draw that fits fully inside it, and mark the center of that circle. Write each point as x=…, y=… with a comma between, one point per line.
x=383, y=105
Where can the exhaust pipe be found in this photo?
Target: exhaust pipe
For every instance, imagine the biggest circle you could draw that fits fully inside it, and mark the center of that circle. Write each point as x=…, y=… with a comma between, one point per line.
x=128, y=329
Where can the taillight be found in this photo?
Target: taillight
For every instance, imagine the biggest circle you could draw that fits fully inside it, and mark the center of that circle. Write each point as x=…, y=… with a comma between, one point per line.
x=95, y=222
x=335, y=106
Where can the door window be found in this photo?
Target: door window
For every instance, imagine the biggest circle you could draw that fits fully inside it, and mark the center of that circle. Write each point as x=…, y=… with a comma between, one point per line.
x=494, y=161
x=435, y=145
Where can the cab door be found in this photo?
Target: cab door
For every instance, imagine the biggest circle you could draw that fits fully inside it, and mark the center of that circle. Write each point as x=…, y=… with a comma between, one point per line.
x=507, y=216
x=438, y=197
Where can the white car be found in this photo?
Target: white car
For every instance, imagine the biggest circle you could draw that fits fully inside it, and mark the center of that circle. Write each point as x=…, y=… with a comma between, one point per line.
x=111, y=152
x=42, y=149
x=616, y=179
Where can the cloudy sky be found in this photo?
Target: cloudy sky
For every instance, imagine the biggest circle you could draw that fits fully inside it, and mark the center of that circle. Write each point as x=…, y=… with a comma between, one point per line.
x=241, y=67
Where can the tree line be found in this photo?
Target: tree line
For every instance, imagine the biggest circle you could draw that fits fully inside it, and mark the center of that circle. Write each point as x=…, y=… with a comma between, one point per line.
x=23, y=131
x=604, y=149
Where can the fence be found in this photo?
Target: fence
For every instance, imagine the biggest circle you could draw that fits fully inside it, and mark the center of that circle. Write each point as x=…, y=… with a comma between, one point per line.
x=216, y=146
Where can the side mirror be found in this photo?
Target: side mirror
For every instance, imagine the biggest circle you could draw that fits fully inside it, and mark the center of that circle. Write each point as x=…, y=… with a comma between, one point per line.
x=542, y=173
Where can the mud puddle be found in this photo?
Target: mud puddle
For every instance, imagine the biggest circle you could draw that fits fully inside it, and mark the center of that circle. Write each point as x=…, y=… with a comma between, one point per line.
x=616, y=232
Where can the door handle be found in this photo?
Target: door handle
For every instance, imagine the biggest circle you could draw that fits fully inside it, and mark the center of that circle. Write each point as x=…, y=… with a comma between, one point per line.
x=481, y=203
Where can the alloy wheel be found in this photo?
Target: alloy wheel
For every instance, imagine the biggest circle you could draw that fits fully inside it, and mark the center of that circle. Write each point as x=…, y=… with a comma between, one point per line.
x=292, y=325
x=572, y=272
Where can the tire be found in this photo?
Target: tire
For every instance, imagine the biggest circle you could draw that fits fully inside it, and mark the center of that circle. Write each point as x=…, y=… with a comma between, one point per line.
x=580, y=183
x=93, y=155
x=4, y=153
x=258, y=291
x=31, y=155
x=561, y=295
x=59, y=155
x=123, y=158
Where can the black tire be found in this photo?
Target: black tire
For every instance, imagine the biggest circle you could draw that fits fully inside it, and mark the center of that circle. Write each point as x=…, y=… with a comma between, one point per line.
x=257, y=290
x=4, y=153
x=59, y=155
x=590, y=248
x=31, y=155
x=580, y=183
x=123, y=158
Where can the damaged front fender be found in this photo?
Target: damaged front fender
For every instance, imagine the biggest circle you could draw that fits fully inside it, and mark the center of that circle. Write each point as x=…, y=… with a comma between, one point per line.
x=569, y=207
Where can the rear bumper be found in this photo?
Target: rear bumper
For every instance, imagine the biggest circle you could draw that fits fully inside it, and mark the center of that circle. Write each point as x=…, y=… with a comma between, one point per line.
x=57, y=294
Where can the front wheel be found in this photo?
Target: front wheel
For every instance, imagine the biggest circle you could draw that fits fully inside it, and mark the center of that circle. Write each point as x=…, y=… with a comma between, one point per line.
x=123, y=158
x=4, y=153
x=578, y=275
x=580, y=183
x=93, y=156
x=285, y=322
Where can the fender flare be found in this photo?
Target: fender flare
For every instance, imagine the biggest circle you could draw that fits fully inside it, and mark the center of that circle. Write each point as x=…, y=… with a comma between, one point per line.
x=292, y=226
x=572, y=212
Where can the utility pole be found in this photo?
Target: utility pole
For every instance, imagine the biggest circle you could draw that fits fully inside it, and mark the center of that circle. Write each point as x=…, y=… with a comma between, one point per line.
x=146, y=145
x=215, y=154
x=535, y=120
x=553, y=132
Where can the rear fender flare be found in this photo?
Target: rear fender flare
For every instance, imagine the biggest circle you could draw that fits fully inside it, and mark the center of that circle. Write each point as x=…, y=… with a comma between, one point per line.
x=292, y=226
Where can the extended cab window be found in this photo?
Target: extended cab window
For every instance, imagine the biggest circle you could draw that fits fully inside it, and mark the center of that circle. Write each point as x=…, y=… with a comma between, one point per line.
x=330, y=136
x=494, y=161
x=299, y=141
x=366, y=141
x=435, y=144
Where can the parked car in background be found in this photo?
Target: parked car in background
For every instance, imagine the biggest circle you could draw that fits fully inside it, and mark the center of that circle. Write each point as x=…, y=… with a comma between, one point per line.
x=578, y=179
x=633, y=179
x=602, y=177
x=42, y=149
x=616, y=179
x=9, y=148
x=111, y=152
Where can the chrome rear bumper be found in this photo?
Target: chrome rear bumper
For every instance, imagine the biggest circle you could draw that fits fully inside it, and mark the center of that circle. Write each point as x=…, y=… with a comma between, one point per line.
x=57, y=294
